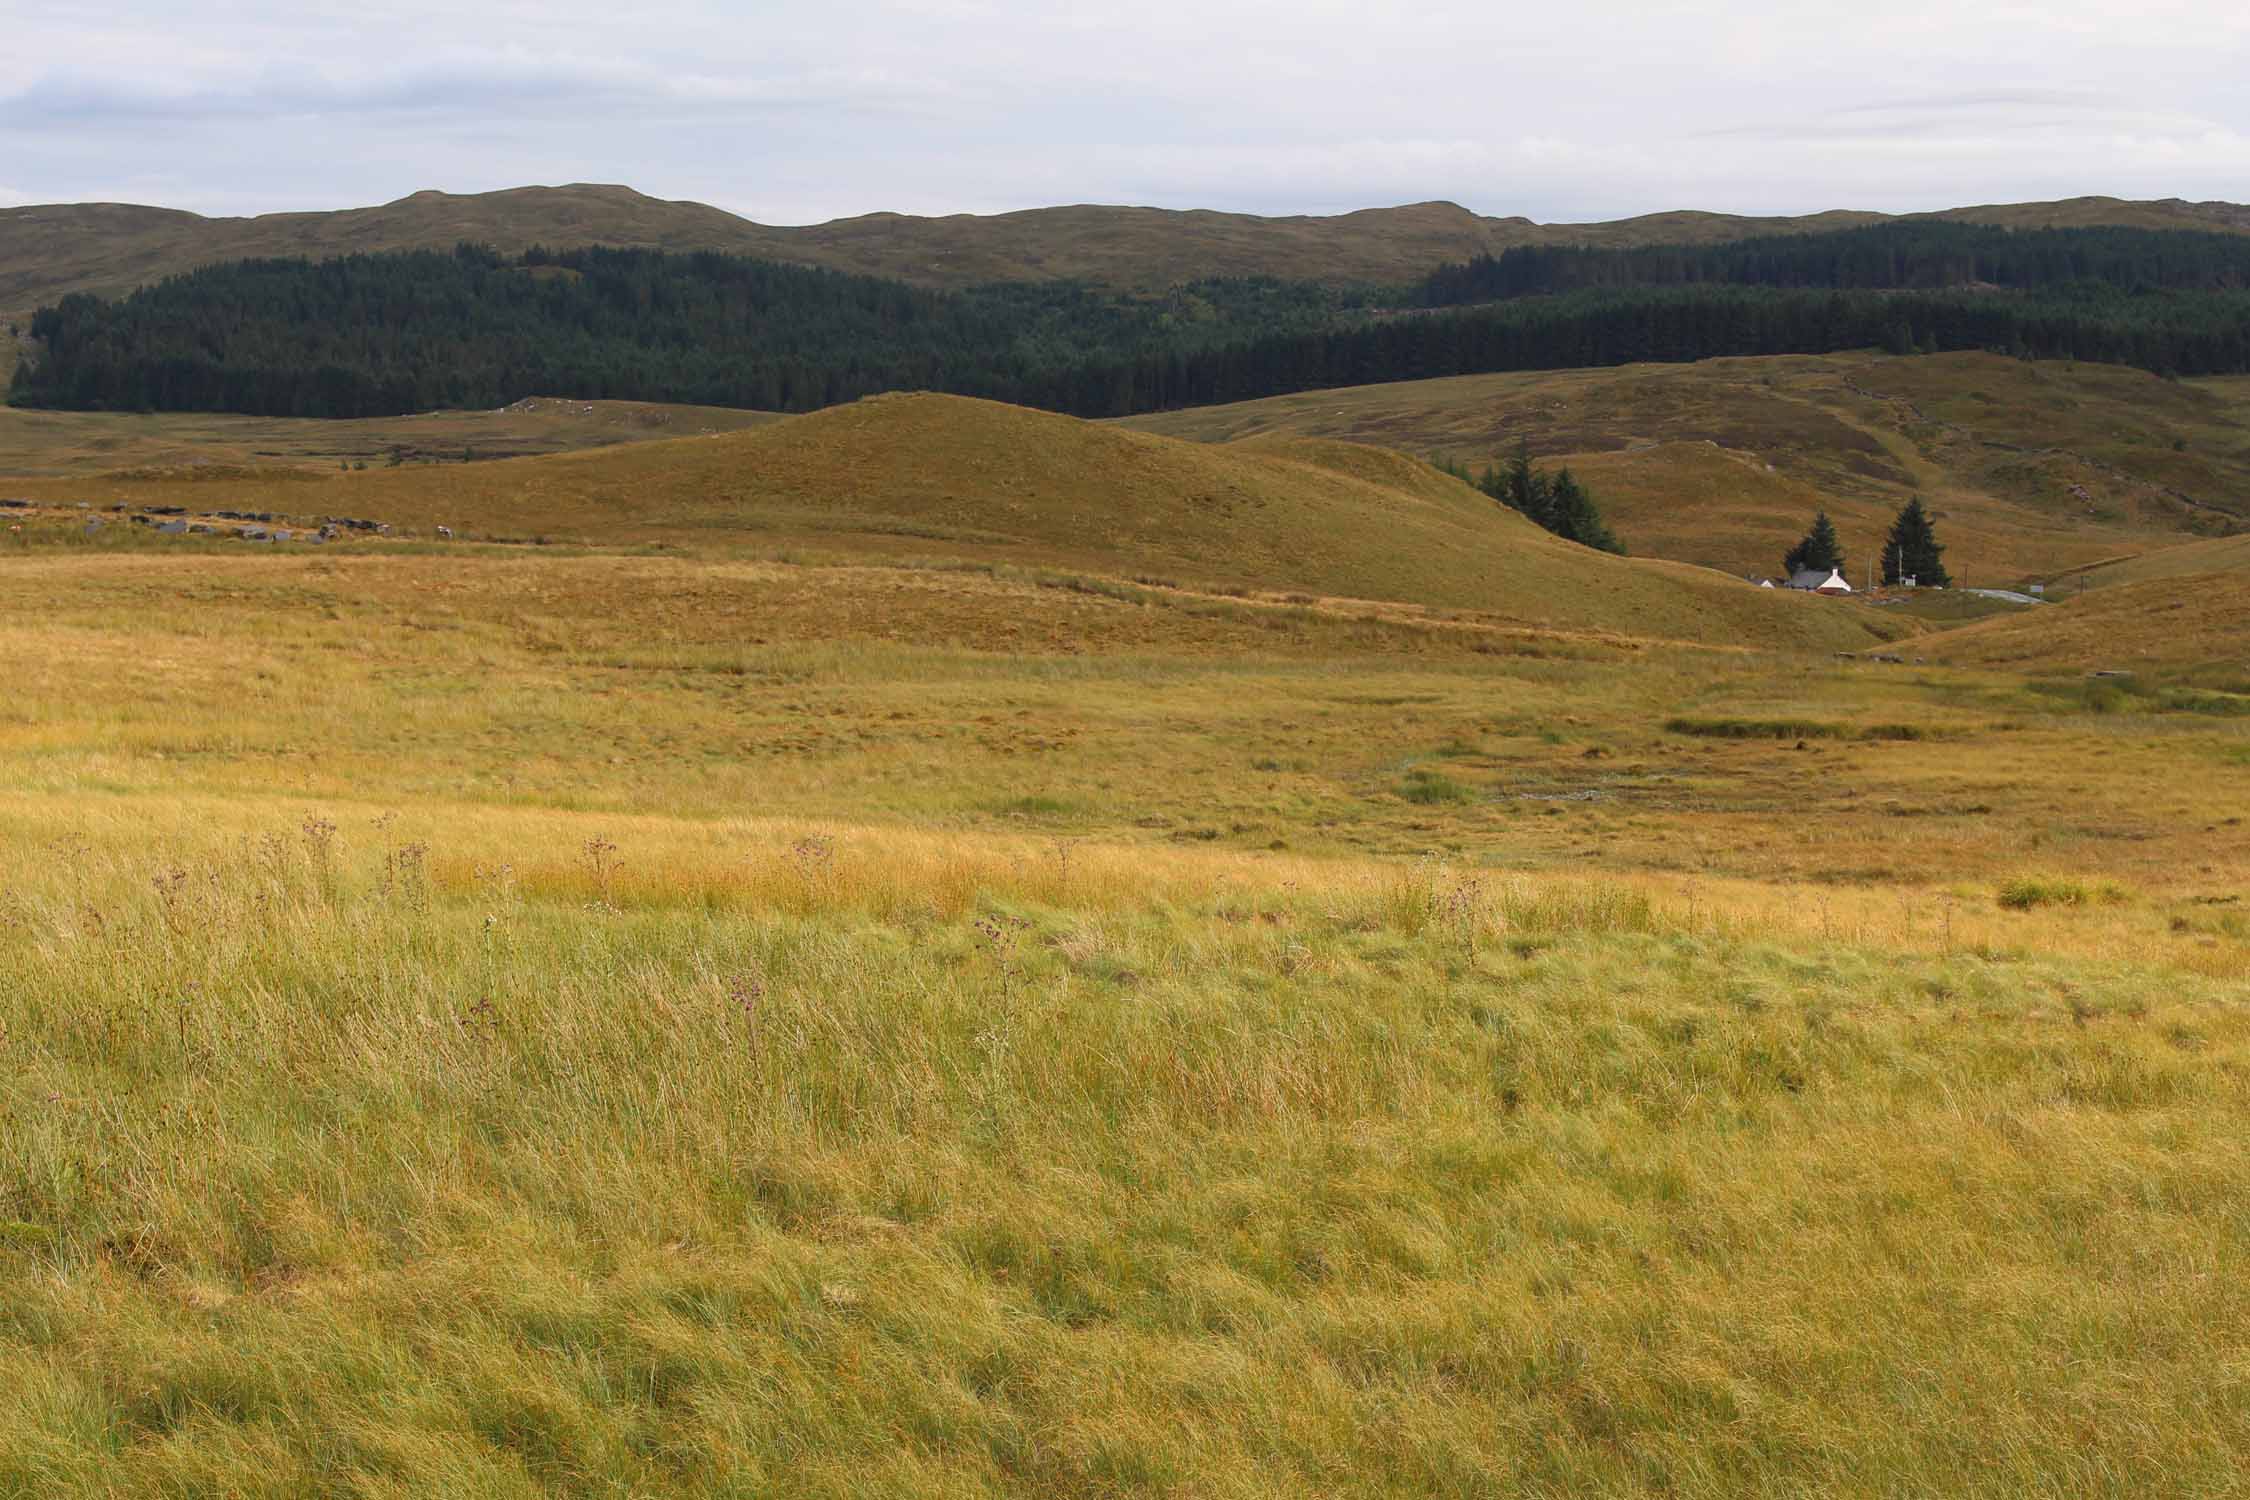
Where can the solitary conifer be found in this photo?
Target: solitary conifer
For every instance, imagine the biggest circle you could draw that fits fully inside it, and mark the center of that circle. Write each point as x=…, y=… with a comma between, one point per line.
x=1913, y=550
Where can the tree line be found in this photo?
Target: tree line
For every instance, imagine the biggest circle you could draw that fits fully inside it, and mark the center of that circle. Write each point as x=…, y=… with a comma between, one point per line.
x=1922, y=255
x=383, y=335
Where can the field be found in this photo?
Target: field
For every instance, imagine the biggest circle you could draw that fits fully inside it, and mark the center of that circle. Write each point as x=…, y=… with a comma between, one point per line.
x=885, y=959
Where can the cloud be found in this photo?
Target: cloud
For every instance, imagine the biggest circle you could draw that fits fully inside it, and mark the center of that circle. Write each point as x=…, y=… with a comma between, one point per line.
x=791, y=113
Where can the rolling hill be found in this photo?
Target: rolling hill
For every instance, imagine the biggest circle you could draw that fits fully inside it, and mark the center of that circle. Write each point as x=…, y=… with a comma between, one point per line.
x=2032, y=468
x=52, y=249
x=2222, y=555
x=2193, y=628
x=975, y=482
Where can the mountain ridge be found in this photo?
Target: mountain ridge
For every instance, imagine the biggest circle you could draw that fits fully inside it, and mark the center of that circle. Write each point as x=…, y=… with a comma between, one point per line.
x=50, y=250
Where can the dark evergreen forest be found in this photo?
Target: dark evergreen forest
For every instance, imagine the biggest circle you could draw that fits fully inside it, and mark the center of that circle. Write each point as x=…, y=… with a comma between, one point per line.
x=382, y=335
x=1929, y=255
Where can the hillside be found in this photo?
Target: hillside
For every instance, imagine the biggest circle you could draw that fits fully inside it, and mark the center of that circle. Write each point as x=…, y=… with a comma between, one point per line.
x=93, y=445
x=2032, y=468
x=2229, y=554
x=2194, y=627
x=946, y=477
x=52, y=249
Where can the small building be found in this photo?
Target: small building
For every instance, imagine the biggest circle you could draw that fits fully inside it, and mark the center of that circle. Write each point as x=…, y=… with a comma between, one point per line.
x=1815, y=581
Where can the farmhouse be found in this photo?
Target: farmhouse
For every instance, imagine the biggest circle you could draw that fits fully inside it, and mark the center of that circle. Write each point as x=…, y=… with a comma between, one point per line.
x=1813, y=580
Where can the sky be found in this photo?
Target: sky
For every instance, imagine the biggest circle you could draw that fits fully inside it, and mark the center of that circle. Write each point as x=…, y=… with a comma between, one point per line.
x=792, y=114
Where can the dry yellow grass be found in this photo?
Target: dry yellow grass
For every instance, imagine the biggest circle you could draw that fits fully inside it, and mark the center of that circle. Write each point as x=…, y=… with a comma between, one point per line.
x=918, y=1012
x=505, y=1023
x=2030, y=469
x=946, y=477
x=2194, y=626
x=2229, y=554
x=222, y=449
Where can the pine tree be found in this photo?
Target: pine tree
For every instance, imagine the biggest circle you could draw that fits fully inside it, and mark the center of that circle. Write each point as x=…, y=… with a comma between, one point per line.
x=1818, y=550
x=1913, y=550
x=1576, y=517
x=1525, y=489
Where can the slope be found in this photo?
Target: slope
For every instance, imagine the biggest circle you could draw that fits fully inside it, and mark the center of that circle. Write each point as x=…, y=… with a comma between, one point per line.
x=2032, y=469
x=48, y=250
x=63, y=444
x=2194, y=627
x=2227, y=554
x=950, y=478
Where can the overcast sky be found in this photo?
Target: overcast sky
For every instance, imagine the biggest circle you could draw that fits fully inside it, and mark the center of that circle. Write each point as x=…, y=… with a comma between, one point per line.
x=801, y=112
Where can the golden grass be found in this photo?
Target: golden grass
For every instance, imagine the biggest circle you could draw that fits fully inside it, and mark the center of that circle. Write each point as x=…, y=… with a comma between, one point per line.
x=217, y=449
x=1722, y=463
x=2195, y=625
x=936, y=476
x=444, y=1154
x=2229, y=554
x=498, y=1022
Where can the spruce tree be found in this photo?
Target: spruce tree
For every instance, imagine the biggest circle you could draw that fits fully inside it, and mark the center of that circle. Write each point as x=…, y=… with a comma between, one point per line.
x=1913, y=550
x=1576, y=517
x=1525, y=489
x=1819, y=549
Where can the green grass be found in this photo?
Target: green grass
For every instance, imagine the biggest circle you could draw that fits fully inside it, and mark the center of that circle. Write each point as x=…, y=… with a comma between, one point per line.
x=2025, y=892
x=1430, y=788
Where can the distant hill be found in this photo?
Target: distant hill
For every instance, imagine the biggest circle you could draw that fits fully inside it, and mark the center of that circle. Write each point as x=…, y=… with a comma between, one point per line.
x=979, y=483
x=49, y=250
x=2032, y=468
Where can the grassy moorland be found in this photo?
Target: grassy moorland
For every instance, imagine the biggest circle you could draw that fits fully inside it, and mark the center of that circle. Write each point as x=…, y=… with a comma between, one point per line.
x=2032, y=469
x=726, y=1019
x=980, y=483
x=225, y=449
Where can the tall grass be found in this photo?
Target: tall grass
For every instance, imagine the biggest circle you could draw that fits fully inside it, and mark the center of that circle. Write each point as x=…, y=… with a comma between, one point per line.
x=340, y=1160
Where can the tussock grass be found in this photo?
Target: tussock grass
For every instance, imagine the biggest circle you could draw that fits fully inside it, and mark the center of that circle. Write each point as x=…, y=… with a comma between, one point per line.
x=1429, y=788
x=2024, y=892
